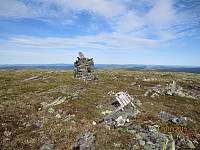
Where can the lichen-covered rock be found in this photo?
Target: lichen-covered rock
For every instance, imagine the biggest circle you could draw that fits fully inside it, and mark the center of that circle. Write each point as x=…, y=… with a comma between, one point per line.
x=66, y=117
x=155, y=95
x=57, y=101
x=184, y=143
x=170, y=90
x=85, y=141
x=156, y=140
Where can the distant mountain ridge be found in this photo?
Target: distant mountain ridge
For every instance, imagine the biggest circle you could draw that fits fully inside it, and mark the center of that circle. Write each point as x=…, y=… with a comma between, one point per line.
x=125, y=67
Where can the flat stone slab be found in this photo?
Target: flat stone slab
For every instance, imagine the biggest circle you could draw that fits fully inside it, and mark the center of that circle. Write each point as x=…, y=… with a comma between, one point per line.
x=171, y=118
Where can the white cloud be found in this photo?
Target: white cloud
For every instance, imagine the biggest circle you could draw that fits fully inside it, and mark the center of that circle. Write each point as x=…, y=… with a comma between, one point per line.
x=104, y=41
x=162, y=13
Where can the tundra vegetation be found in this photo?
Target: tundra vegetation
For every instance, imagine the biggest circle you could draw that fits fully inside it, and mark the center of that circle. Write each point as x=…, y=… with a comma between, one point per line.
x=56, y=107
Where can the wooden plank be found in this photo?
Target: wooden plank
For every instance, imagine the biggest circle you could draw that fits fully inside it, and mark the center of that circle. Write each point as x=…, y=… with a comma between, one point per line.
x=124, y=99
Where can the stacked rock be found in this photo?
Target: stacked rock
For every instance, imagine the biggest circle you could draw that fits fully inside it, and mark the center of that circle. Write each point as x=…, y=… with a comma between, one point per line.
x=84, y=68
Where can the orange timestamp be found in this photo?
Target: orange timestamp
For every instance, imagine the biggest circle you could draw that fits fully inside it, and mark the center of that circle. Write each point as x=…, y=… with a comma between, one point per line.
x=172, y=129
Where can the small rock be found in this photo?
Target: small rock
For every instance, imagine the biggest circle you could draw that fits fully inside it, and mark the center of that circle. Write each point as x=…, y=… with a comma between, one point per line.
x=94, y=123
x=146, y=122
x=155, y=95
x=120, y=121
x=153, y=128
x=100, y=105
x=142, y=142
x=67, y=117
x=150, y=103
x=47, y=146
x=58, y=116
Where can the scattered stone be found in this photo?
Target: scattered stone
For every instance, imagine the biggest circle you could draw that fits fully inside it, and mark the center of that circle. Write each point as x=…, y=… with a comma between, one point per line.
x=7, y=133
x=111, y=93
x=146, y=122
x=121, y=119
x=155, y=95
x=191, y=97
x=75, y=95
x=100, y=105
x=58, y=116
x=94, y=123
x=47, y=146
x=147, y=93
x=153, y=128
x=113, y=76
x=171, y=118
x=63, y=91
x=150, y=103
x=38, y=77
x=57, y=101
x=184, y=143
x=133, y=83
x=84, y=68
x=66, y=117
x=170, y=90
x=51, y=110
x=156, y=140
x=193, y=86
x=85, y=141
x=180, y=93
x=35, y=126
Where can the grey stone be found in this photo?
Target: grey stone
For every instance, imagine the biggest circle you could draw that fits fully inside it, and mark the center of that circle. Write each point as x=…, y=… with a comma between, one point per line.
x=81, y=55
x=153, y=128
x=67, y=117
x=75, y=94
x=193, y=86
x=85, y=141
x=100, y=105
x=147, y=92
x=171, y=118
x=47, y=146
x=142, y=142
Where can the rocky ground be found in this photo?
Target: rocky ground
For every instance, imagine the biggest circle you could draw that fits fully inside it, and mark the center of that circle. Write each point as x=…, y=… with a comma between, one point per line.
x=49, y=109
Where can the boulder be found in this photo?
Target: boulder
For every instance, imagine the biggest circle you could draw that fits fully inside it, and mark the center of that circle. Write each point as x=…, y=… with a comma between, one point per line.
x=85, y=141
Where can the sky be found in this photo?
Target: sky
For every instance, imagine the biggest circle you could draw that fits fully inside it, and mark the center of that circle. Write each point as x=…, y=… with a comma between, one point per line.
x=153, y=32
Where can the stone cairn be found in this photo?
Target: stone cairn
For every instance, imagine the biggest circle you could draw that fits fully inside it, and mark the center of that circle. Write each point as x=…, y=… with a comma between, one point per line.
x=84, y=68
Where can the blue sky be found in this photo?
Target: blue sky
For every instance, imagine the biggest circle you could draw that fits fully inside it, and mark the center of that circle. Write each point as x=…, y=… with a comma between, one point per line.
x=154, y=32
